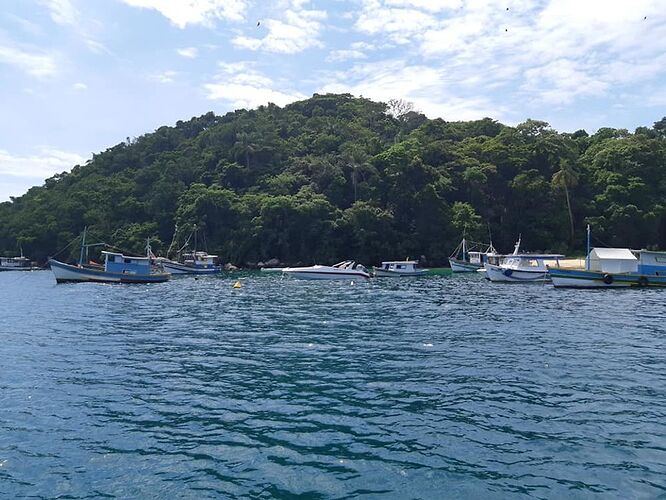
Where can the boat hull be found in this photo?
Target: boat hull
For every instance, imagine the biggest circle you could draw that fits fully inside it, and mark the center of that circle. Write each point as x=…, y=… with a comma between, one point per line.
x=460, y=266
x=579, y=278
x=499, y=274
x=325, y=275
x=178, y=268
x=383, y=273
x=66, y=273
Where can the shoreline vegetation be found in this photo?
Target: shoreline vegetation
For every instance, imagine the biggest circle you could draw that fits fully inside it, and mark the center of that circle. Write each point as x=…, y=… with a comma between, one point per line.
x=337, y=177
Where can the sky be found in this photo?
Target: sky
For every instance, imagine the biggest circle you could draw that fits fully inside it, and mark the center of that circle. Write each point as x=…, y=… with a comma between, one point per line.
x=79, y=76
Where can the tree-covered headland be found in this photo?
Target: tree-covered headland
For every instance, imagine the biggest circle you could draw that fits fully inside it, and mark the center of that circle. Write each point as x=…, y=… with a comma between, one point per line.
x=335, y=177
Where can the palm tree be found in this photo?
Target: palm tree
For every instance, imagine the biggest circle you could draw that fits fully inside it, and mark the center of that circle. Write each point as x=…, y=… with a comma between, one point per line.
x=567, y=178
x=245, y=146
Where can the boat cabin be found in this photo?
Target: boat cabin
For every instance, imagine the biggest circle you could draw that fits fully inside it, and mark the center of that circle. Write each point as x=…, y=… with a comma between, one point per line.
x=532, y=262
x=653, y=263
x=482, y=258
x=612, y=260
x=14, y=262
x=399, y=266
x=200, y=260
x=119, y=263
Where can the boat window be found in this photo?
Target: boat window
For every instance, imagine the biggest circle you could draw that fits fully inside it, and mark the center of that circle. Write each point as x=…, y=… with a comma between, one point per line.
x=533, y=263
x=128, y=261
x=400, y=266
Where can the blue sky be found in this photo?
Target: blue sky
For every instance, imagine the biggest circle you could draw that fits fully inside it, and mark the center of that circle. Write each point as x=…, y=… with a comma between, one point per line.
x=78, y=76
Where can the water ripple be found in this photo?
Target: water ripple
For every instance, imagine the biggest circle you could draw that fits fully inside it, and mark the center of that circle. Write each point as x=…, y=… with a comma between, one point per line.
x=442, y=386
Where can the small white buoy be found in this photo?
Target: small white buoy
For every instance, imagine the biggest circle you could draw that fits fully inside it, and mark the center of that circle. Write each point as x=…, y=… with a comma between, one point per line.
x=352, y=282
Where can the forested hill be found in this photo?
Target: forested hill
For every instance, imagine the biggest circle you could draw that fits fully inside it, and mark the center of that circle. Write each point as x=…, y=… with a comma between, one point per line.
x=336, y=177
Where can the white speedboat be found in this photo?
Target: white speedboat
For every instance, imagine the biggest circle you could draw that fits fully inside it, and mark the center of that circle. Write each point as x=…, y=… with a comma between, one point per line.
x=398, y=268
x=347, y=269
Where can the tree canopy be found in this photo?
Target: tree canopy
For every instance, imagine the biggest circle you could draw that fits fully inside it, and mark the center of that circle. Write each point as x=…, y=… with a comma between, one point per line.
x=335, y=177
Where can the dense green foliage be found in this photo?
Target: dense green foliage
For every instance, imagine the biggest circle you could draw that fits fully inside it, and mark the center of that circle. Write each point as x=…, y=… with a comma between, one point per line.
x=336, y=177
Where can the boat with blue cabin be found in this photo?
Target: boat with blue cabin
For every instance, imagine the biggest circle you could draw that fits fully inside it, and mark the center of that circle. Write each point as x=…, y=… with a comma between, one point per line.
x=117, y=268
x=614, y=268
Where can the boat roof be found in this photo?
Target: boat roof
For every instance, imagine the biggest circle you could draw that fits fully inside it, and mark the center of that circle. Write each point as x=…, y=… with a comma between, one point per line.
x=400, y=262
x=613, y=253
x=537, y=255
x=125, y=256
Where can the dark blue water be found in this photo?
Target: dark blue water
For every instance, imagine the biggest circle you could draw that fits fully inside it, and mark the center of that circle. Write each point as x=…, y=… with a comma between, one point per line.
x=424, y=388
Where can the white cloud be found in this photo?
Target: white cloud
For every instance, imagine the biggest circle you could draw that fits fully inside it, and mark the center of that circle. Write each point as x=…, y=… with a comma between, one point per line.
x=164, y=77
x=80, y=86
x=204, y=12
x=40, y=65
x=244, y=87
x=345, y=55
x=62, y=11
x=188, y=52
x=45, y=163
x=295, y=32
x=432, y=90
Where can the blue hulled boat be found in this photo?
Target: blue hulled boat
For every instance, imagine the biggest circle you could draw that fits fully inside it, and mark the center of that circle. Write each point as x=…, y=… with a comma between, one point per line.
x=117, y=268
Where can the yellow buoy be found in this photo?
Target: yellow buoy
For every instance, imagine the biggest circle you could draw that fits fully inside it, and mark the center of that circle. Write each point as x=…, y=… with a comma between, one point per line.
x=237, y=284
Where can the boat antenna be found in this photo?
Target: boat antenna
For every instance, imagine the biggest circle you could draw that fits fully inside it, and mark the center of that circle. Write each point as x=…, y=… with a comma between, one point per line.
x=173, y=240
x=587, y=257
x=490, y=237
x=83, y=245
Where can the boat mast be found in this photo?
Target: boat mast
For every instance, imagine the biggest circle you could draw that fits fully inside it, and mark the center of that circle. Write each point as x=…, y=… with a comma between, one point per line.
x=587, y=257
x=83, y=245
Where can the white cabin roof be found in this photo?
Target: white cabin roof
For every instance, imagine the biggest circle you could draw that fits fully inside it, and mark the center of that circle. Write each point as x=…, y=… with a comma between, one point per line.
x=125, y=256
x=399, y=262
x=612, y=254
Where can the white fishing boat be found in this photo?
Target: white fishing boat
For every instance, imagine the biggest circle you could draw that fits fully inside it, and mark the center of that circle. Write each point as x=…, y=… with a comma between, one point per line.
x=522, y=267
x=16, y=264
x=192, y=263
x=398, y=268
x=465, y=260
x=345, y=270
x=188, y=259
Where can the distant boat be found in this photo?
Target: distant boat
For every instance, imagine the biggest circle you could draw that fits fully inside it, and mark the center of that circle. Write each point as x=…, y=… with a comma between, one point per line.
x=191, y=262
x=117, y=268
x=398, y=268
x=522, y=267
x=17, y=264
x=464, y=260
x=347, y=269
x=614, y=268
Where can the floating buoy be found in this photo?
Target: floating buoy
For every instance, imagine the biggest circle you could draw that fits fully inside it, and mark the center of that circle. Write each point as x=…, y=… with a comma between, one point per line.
x=352, y=282
x=237, y=284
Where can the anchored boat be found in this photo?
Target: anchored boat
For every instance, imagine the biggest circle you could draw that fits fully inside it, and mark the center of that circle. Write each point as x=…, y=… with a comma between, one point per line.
x=398, y=268
x=117, y=268
x=16, y=264
x=192, y=263
x=347, y=269
x=614, y=268
x=522, y=267
x=465, y=259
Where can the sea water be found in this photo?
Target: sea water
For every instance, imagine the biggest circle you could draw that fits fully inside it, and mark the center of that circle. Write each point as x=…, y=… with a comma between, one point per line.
x=434, y=387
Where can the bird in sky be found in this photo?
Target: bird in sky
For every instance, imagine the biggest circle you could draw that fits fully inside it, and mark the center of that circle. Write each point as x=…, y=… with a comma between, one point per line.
x=258, y=23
